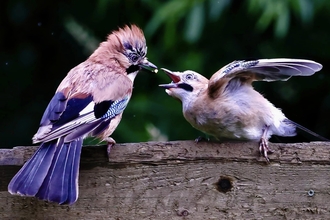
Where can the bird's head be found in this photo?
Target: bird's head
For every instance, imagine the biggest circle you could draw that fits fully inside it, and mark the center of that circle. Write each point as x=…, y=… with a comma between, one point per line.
x=185, y=85
x=128, y=47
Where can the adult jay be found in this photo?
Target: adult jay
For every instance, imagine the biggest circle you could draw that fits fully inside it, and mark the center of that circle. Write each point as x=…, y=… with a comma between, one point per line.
x=88, y=102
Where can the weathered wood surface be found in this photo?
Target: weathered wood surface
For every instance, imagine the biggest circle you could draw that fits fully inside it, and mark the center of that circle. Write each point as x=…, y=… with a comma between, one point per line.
x=180, y=180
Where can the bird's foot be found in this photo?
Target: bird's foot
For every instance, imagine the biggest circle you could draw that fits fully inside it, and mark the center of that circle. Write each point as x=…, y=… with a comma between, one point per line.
x=111, y=143
x=201, y=138
x=264, y=148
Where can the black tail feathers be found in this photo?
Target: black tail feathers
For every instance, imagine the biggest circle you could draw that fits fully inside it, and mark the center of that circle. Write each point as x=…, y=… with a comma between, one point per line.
x=51, y=174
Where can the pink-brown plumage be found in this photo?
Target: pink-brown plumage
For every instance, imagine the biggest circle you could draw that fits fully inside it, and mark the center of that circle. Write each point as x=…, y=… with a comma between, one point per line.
x=227, y=106
x=89, y=101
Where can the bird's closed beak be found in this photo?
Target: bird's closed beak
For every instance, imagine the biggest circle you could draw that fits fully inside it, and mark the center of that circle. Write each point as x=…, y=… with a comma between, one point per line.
x=175, y=79
x=145, y=64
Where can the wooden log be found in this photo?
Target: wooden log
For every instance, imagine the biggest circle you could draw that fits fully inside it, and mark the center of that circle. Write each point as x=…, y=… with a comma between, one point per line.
x=185, y=180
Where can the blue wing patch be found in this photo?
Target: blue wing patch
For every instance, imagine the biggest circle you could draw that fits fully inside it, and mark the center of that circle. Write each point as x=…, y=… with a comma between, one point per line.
x=242, y=64
x=116, y=108
x=101, y=108
x=109, y=109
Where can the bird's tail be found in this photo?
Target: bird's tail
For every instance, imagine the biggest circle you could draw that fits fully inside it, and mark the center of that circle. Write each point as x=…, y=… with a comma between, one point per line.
x=306, y=130
x=51, y=174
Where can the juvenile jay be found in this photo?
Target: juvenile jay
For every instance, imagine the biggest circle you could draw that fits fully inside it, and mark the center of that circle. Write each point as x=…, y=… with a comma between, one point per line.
x=88, y=102
x=228, y=108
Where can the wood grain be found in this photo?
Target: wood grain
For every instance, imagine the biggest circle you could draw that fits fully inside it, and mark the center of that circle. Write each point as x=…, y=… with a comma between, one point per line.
x=185, y=180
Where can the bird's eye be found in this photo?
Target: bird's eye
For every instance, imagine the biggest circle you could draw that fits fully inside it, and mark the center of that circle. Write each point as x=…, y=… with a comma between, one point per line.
x=134, y=58
x=189, y=76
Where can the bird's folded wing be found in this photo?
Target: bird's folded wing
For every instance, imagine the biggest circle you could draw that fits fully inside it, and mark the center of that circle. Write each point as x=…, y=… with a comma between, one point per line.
x=267, y=69
x=87, y=122
x=82, y=112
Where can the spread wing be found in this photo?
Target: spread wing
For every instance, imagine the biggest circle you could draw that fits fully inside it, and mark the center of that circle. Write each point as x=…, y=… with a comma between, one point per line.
x=84, y=105
x=262, y=70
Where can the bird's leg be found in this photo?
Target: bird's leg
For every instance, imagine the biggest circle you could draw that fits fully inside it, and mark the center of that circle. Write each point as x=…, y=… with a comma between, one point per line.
x=263, y=145
x=111, y=143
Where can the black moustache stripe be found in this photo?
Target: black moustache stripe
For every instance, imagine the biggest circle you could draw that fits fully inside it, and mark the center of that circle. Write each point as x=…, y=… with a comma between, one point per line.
x=132, y=68
x=186, y=87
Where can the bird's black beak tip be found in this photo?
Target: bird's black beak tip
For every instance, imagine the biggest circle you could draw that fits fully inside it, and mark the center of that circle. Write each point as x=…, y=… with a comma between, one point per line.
x=149, y=66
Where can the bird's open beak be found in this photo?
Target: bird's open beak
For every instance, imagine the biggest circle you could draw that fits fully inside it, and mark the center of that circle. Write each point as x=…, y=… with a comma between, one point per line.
x=175, y=79
x=145, y=64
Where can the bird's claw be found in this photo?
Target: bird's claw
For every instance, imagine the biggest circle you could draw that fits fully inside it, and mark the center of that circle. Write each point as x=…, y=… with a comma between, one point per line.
x=264, y=149
x=111, y=143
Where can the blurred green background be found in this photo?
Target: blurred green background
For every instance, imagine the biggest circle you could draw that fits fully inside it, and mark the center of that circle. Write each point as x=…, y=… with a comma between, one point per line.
x=40, y=41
